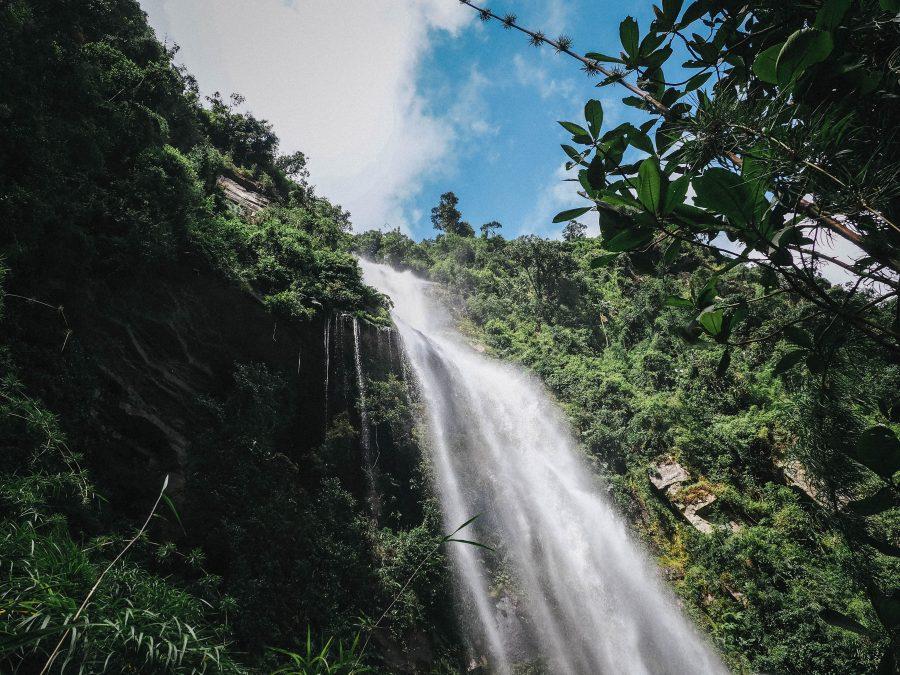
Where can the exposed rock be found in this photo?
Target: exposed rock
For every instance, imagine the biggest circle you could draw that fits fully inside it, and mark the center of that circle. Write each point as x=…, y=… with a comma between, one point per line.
x=693, y=513
x=245, y=194
x=795, y=475
x=667, y=477
x=668, y=473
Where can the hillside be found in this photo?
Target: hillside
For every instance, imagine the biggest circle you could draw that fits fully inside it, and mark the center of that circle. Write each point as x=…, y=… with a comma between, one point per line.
x=157, y=324
x=215, y=455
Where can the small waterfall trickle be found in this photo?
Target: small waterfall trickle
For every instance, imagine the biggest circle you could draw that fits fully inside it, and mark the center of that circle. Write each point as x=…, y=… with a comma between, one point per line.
x=573, y=590
x=364, y=431
x=390, y=345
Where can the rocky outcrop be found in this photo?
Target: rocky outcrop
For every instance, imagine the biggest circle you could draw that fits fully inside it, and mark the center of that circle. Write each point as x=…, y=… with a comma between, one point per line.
x=669, y=478
x=246, y=195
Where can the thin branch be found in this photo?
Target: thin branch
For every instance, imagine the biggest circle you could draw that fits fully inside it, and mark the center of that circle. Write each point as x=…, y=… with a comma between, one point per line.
x=97, y=583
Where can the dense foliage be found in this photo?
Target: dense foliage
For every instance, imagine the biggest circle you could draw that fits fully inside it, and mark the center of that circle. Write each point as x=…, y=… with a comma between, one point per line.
x=783, y=583
x=768, y=154
x=112, y=215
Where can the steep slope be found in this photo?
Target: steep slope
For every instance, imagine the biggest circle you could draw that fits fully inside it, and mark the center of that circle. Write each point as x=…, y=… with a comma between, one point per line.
x=174, y=305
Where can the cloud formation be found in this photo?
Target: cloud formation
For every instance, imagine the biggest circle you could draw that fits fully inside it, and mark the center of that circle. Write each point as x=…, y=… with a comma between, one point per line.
x=337, y=80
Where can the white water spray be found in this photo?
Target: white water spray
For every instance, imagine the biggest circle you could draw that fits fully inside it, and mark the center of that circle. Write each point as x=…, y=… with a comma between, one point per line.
x=583, y=597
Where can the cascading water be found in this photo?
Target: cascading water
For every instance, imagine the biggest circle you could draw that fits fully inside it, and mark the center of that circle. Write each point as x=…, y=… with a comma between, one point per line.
x=583, y=597
x=365, y=437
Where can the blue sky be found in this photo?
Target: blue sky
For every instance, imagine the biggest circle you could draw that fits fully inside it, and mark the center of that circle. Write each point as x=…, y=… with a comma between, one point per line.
x=397, y=101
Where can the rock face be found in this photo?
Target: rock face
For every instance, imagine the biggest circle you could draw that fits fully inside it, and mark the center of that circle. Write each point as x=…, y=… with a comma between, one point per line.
x=244, y=194
x=668, y=477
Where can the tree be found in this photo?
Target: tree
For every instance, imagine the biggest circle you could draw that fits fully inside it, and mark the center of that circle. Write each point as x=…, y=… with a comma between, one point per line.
x=488, y=228
x=791, y=142
x=446, y=217
x=784, y=127
x=574, y=230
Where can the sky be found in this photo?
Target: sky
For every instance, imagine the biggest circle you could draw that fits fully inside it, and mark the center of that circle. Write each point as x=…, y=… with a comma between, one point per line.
x=397, y=101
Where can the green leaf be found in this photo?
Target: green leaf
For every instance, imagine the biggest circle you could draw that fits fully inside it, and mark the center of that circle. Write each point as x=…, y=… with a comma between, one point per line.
x=579, y=134
x=696, y=81
x=802, y=49
x=879, y=450
x=639, y=139
x=471, y=543
x=603, y=58
x=712, y=321
x=462, y=527
x=724, y=192
x=694, y=11
x=571, y=214
x=672, y=251
x=171, y=505
x=675, y=194
x=627, y=240
x=789, y=360
x=596, y=174
x=890, y=5
x=628, y=34
x=798, y=336
x=574, y=154
x=650, y=184
x=593, y=113
x=657, y=58
x=677, y=301
x=831, y=13
x=764, y=64
x=604, y=260
x=671, y=9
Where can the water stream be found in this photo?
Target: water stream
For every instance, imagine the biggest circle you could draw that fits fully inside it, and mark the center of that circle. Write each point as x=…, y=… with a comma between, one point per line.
x=571, y=588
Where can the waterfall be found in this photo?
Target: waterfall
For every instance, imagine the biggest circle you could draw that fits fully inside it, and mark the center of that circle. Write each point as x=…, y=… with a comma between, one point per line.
x=570, y=588
x=364, y=435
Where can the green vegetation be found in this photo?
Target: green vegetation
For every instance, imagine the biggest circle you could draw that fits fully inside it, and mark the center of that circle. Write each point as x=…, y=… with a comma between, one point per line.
x=795, y=584
x=150, y=327
x=143, y=315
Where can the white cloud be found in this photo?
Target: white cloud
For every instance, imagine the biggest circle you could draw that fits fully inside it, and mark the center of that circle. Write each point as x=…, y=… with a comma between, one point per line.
x=337, y=80
x=531, y=74
x=558, y=194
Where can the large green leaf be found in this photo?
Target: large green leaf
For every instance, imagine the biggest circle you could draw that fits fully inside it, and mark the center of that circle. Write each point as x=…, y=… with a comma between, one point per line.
x=628, y=34
x=798, y=336
x=764, y=64
x=789, y=360
x=802, y=49
x=879, y=449
x=650, y=185
x=596, y=174
x=831, y=13
x=576, y=156
x=597, y=56
x=593, y=113
x=571, y=214
x=712, y=320
x=579, y=134
x=627, y=240
x=676, y=193
x=638, y=139
x=726, y=193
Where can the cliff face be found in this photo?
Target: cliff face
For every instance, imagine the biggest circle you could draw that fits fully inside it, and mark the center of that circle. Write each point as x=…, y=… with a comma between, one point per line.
x=142, y=358
x=290, y=447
